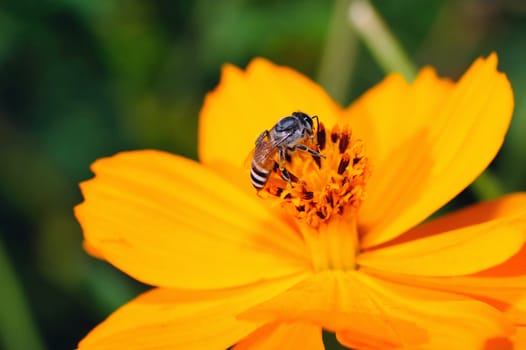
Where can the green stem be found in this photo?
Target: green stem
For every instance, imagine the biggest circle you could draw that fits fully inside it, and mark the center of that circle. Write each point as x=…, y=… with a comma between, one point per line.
x=17, y=329
x=338, y=57
x=381, y=42
x=390, y=55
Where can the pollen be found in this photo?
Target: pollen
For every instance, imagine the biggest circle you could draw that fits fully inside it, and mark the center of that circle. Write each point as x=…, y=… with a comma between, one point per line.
x=315, y=189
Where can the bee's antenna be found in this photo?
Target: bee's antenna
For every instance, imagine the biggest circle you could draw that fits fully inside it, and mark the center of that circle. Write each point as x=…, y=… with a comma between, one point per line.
x=317, y=122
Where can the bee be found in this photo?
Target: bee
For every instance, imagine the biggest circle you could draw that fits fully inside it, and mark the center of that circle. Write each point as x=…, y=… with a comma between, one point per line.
x=287, y=135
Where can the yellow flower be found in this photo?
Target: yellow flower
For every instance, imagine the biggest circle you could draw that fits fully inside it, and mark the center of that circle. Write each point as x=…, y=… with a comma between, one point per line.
x=342, y=247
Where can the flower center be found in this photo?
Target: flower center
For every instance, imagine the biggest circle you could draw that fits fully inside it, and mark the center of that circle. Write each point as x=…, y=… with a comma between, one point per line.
x=315, y=189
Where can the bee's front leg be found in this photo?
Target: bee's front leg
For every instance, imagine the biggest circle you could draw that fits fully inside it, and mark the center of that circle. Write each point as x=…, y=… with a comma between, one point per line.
x=285, y=174
x=309, y=150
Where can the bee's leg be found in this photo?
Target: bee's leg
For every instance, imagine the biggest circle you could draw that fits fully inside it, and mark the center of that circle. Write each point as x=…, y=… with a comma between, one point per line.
x=282, y=158
x=285, y=174
x=311, y=151
x=284, y=154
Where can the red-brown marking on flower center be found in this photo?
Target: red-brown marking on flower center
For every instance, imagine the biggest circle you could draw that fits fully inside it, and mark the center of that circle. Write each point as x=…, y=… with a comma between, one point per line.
x=319, y=188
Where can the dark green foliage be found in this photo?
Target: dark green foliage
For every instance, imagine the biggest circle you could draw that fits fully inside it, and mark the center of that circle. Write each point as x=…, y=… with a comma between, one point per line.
x=80, y=80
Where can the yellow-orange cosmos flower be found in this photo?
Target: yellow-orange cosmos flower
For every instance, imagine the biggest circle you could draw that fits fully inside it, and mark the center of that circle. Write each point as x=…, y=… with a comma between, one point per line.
x=344, y=249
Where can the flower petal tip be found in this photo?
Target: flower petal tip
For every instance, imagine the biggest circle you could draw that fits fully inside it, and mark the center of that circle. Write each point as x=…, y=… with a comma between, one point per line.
x=493, y=58
x=257, y=62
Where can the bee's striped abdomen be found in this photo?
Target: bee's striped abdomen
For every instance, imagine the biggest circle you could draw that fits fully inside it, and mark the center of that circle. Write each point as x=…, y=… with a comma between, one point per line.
x=258, y=175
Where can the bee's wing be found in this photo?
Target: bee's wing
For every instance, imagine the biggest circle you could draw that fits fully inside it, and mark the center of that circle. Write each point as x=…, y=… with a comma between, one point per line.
x=265, y=149
x=248, y=159
x=260, y=154
x=250, y=156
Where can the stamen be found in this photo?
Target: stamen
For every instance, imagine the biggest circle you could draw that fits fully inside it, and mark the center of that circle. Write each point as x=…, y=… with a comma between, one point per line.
x=330, y=200
x=315, y=189
x=288, y=176
x=275, y=191
x=308, y=195
x=344, y=140
x=344, y=162
x=335, y=134
x=320, y=134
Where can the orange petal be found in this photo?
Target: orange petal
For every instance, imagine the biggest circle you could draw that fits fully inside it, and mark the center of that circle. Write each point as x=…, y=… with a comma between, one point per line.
x=432, y=139
x=378, y=314
x=519, y=338
x=516, y=342
x=247, y=102
x=450, y=321
x=505, y=206
x=336, y=301
x=91, y=250
x=506, y=294
x=503, y=286
x=174, y=319
x=171, y=222
x=295, y=335
x=459, y=251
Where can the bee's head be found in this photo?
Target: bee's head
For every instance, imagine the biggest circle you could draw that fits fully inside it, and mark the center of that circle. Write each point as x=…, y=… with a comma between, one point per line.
x=305, y=120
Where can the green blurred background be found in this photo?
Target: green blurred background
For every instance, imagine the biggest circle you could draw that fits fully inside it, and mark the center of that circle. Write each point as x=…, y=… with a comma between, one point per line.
x=83, y=79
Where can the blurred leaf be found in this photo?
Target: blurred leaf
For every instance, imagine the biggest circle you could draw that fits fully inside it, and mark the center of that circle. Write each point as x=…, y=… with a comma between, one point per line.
x=17, y=330
x=9, y=32
x=82, y=79
x=235, y=31
x=410, y=20
x=109, y=288
x=57, y=245
x=511, y=165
